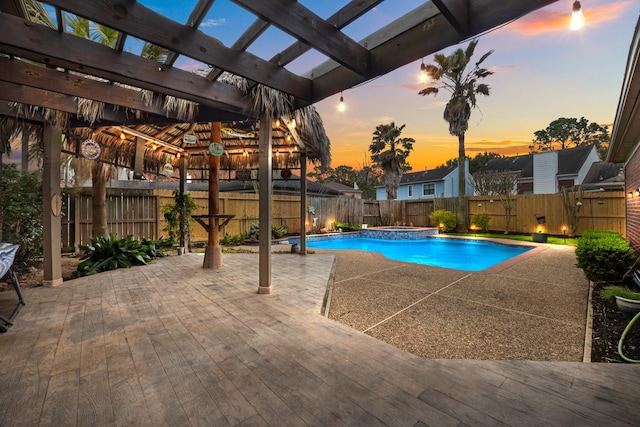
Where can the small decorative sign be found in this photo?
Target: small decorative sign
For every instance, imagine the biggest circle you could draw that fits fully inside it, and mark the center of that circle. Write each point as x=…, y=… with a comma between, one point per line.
x=285, y=173
x=90, y=149
x=167, y=170
x=189, y=139
x=238, y=133
x=216, y=149
x=243, y=174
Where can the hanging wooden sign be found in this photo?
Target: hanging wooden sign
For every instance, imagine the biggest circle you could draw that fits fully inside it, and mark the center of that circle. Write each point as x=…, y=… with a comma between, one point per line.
x=90, y=149
x=167, y=170
x=238, y=132
x=285, y=173
x=189, y=139
x=216, y=149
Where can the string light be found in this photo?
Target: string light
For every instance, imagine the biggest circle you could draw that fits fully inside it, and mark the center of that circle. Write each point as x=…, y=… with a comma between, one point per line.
x=577, y=17
x=293, y=123
x=154, y=147
x=424, y=76
x=341, y=106
x=277, y=123
x=122, y=135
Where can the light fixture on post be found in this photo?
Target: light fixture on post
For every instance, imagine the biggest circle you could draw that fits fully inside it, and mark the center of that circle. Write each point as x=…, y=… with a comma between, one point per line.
x=341, y=106
x=577, y=17
x=424, y=76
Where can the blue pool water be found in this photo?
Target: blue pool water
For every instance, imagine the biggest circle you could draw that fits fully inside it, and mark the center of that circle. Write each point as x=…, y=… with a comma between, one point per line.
x=459, y=254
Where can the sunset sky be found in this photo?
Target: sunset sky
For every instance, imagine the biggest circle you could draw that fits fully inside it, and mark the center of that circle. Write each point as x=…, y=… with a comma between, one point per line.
x=543, y=71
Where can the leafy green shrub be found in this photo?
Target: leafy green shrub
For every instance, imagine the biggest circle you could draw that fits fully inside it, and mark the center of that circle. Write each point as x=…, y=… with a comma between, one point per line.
x=109, y=253
x=612, y=291
x=345, y=226
x=481, y=221
x=277, y=231
x=237, y=239
x=446, y=218
x=604, y=258
x=599, y=234
x=156, y=248
x=22, y=209
x=172, y=213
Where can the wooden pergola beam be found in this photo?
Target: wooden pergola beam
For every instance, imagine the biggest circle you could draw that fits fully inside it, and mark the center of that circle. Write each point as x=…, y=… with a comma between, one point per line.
x=295, y=19
x=136, y=20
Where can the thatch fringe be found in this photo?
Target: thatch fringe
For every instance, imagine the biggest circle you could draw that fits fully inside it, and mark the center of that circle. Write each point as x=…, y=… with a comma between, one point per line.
x=89, y=109
x=183, y=109
x=273, y=100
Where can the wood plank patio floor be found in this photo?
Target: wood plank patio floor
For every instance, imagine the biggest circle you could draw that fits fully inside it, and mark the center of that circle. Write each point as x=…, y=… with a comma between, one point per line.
x=174, y=344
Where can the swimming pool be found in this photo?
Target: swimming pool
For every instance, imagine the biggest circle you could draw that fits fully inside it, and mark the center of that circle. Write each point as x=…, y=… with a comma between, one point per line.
x=459, y=254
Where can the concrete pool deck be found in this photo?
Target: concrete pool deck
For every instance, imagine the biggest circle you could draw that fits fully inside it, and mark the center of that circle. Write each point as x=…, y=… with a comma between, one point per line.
x=171, y=343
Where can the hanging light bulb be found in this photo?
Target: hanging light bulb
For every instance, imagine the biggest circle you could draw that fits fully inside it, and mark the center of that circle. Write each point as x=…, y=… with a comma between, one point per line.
x=277, y=123
x=341, y=106
x=122, y=135
x=424, y=76
x=577, y=17
x=178, y=155
x=154, y=147
x=293, y=123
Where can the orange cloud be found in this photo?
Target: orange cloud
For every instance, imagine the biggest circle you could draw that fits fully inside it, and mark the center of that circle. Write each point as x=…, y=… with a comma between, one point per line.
x=549, y=20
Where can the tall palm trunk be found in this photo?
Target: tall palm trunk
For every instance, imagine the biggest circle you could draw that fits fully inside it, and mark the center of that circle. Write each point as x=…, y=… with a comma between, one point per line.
x=392, y=182
x=462, y=186
x=99, y=179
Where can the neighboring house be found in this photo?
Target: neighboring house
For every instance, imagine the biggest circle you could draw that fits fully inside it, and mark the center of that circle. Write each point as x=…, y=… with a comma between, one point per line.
x=344, y=190
x=604, y=176
x=625, y=139
x=549, y=171
x=429, y=184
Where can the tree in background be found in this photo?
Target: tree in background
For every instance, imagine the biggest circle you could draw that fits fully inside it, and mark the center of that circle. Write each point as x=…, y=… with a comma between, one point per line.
x=476, y=162
x=366, y=178
x=501, y=184
x=452, y=74
x=389, y=152
x=571, y=132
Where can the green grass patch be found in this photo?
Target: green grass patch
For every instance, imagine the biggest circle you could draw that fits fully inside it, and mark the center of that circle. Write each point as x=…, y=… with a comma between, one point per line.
x=612, y=291
x=573, y=241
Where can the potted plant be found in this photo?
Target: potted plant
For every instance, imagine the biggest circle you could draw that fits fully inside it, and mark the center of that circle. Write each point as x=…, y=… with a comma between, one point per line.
x=540, y=236
x=628, y=301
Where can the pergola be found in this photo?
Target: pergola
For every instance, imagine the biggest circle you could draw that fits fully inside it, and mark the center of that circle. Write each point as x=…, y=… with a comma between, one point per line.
x=112, y=90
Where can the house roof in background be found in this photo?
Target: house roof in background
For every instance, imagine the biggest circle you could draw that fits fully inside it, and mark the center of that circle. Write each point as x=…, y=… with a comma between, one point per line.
x=432, y=175
x=340, y=187
x=520, y=164
x=605, y=173
x=572, y=159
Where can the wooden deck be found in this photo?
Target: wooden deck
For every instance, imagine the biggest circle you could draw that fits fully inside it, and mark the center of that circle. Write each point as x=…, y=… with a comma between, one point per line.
x=173, y=344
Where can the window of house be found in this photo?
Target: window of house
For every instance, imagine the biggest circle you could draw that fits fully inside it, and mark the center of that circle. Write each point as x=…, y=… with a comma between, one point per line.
x=428, y=189
x=410, y=191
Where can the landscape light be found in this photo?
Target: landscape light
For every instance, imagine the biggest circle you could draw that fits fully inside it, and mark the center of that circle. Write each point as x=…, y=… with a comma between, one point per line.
x=577, y=17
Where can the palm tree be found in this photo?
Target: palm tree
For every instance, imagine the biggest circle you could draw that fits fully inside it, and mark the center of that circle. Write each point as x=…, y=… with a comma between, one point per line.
x=452, y=74
x=390, y=153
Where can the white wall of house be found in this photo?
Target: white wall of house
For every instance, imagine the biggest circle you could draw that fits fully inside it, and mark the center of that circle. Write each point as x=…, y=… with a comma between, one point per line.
x=545, y=171
x=591, y=159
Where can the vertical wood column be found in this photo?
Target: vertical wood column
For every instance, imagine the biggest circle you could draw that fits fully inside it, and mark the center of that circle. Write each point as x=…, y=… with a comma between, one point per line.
x=264, y=180
x=213, y=253
x=303, y=202
x=184, y=225
x=51, y=205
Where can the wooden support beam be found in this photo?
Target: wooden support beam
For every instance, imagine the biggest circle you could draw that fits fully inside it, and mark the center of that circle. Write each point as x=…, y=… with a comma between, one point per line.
x=293, y=18
x=46, y=46
x=213, y=253
x=456, y=12
x=137, y=20
x=303, y=202
x=51, y=207
x=264, y=180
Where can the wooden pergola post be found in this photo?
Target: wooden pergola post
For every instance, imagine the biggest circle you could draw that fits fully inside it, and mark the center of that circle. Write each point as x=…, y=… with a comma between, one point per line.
x=303, y=202
x=213, y=253
x=51, y=205
x=264, y=178
x=184, y=225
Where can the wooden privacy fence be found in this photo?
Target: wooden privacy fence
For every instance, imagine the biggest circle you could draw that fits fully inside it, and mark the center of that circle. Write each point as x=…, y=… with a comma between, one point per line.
x=139, y=213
